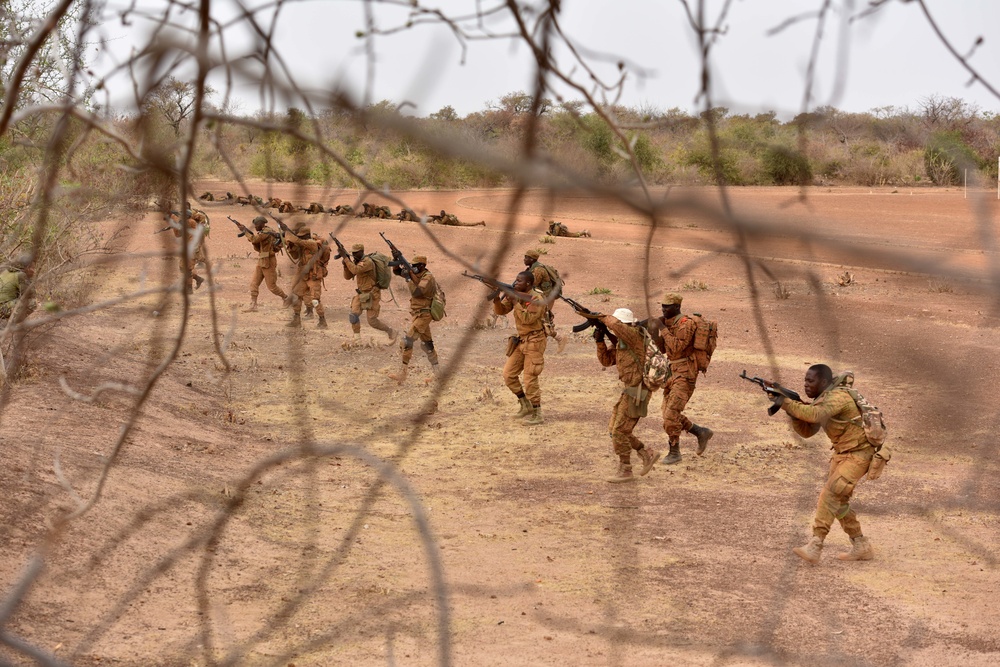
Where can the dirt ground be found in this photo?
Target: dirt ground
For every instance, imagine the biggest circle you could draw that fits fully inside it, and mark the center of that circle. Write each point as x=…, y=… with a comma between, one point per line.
x=300, y=508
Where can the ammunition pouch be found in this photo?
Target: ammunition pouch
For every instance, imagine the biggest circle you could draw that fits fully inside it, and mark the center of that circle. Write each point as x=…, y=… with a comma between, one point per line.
x=365, y=299
x=512, y=344
x=638, y=400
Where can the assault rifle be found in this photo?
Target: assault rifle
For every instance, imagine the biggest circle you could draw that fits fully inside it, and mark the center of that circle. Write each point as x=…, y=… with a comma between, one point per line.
x=497, y=287
x=244, y=230
x=593, y=320
x=773, y=390
x=341, y=250
x=398, y=263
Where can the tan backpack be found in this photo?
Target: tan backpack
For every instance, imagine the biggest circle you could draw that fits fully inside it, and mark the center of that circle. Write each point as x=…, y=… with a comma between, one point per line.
x=706, y=336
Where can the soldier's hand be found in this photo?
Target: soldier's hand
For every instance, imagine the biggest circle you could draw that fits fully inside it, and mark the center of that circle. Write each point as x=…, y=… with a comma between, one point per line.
x=598, y=335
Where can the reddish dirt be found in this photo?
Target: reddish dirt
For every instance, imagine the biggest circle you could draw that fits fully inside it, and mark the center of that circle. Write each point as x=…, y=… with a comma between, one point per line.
x=543, y=563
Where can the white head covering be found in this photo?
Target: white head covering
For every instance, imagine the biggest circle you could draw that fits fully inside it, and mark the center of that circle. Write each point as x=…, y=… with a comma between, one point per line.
x=624, y=315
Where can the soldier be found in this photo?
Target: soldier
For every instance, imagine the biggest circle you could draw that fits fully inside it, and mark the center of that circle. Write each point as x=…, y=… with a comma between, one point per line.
x=629, y=354
x=266, y=269
x=548, y=282
x=422, y=287
x=452, y=220
x=206, y=196
x=674, y=335
x=559, y=229
x=273, y=202
x=286, y=207
x=369, y=296
x=196, y=229
x=13, y=284
x=526, y=350
x=308, y=281
x=313, y=208
x=835, y=411
x=407, y=215
x=342, y=209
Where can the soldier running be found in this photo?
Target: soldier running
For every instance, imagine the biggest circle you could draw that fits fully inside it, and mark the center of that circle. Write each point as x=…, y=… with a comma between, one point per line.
x=423, y=287
x=548, y=282
x=629, y=354
x=526, y=350
x=368, y=297
x=308, y=281
x=674, y=335
x=266, y=268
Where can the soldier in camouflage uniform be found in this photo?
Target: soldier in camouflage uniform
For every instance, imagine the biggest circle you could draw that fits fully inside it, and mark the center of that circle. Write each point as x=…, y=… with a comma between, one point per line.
x=196, y=228
x=550, y=285
x=313, y=208
x=559, y=229
x=342, y=209
x=526, y=350
x=423, y=287
x=630, y=357
x=369, y=296
x=307, y=286
x=206, y=196
x=452, y=220
x=407, y=215
x=674, y=335
x=834, y=410
x=266, y=268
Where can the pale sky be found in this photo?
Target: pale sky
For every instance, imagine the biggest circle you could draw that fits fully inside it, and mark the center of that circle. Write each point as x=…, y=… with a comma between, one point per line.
x=891, y=58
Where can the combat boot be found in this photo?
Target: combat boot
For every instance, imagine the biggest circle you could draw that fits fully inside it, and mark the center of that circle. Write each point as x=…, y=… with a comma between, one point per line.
x=253, y=306
x=861, y=549
x=526, y=408
x=649, y=458
x=535, y=417
x=309, y=313
x=198, y=280
x=296, y=321
x=704, y=434
x=622, y=474
x=400, y=375
x=321, y=324
x=811, y=551
x=674, y=455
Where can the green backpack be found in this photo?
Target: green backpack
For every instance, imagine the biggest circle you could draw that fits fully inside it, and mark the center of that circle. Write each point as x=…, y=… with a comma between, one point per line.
x=383, y=274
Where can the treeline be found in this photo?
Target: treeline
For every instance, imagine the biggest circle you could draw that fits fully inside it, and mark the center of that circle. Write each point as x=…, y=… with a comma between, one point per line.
x=932, y=144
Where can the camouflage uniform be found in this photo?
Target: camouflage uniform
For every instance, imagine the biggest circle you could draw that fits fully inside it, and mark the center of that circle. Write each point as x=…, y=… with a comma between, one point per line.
x=368, y=295
x=546, y=285
x=629, y=356
x=675, y=338
x=422, y=291
x=452, y=220
x=308, y=282
x=559, y=229
x=266, y=269
x=407, y=215
x=835, y=412
x=194, y=220
x=529, y=352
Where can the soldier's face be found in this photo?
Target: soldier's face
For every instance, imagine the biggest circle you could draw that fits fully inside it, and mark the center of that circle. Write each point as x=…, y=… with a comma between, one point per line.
x=521, y=284
x=357, y=256
x=528, y=261
x=670, y=310
x=418, y=268
x=813, y=384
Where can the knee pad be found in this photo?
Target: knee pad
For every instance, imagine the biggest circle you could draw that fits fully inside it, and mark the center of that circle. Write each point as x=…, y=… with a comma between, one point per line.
x=428, y=346
x=354, y=319
x=407, y=343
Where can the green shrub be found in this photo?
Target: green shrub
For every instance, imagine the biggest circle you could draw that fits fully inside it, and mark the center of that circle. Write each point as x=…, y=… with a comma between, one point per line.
x=946, y=156
x=785, y=166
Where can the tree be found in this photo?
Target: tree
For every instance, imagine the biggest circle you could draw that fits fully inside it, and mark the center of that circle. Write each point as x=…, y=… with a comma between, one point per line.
x=174, y=100
x=446, y=113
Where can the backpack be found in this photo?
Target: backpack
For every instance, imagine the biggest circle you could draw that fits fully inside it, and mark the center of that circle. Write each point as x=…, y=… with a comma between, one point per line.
x=656, y=369
x=706, y=335
x=871, y=419
x=554, y=278
x=383, y=274
x=438, y=304
x=323, y=260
